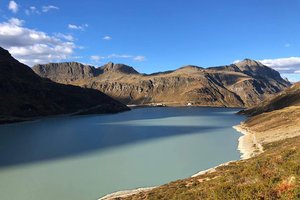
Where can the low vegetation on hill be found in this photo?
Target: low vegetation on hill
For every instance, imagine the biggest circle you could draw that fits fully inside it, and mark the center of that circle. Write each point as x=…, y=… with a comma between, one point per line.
x=274, y=174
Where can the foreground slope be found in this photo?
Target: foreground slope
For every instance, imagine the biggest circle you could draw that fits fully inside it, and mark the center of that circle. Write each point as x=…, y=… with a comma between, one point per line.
x=25, y=95
x=272, y=174
x=275, y=119
x=238, y=85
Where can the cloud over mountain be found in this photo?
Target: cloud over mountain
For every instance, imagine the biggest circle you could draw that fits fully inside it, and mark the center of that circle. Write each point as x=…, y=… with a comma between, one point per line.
x=289, y=65
x=31, y=46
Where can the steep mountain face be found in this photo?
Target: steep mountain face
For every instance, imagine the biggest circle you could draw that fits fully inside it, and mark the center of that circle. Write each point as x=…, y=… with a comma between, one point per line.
x=287, y=98
x=24, y=94
x=68, y=71
x=237, y=85
x=117, y=68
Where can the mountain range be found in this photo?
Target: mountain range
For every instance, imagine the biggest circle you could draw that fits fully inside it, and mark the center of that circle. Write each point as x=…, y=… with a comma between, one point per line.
x=243, y=84
x=26, y=95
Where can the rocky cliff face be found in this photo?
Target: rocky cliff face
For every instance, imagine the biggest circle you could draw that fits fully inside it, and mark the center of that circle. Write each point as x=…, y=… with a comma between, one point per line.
x=24, y=94
x=242, y=84
x=68, y=71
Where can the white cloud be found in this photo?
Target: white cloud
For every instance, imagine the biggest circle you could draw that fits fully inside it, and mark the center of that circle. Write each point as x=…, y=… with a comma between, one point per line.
x=32, y=10
x=16, y=21
x=289, y=65
x=139, y=58
x=65, y=36
x=107, y=37
x=119, y=56
x=96, y=58
x=77, y=27
x=31, y=46
x=13, y=6
x=293, y=78
x=236, y=61
x=49, y=7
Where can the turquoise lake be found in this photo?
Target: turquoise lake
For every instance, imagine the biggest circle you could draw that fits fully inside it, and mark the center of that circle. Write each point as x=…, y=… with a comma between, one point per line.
x=87, y=157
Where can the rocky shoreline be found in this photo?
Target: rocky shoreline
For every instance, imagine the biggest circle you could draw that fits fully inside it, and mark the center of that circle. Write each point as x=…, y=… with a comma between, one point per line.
x=125, y=193
x=247, y=145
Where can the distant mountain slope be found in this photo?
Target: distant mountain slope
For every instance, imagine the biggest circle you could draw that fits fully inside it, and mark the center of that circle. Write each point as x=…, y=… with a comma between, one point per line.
x=69, y=72
x=24, y=94
x=238, y=85
x=288, y=97
x=66, y=71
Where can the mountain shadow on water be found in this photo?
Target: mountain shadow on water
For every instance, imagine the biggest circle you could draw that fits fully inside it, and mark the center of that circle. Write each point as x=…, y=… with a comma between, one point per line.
x=65, y=137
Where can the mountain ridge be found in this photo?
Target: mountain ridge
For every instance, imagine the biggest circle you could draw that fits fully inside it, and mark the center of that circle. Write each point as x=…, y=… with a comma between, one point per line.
x=241, y=84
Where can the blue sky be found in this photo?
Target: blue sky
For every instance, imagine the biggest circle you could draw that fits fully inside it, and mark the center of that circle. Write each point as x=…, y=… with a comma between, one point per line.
x=154, y=35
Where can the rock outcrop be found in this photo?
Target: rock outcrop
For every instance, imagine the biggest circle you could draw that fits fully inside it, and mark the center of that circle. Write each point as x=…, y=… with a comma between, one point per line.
x=25, y=95
x=243, y=84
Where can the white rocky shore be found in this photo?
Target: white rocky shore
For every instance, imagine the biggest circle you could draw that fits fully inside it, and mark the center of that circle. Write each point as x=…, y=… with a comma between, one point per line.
x=248, y=144
x=125, y=193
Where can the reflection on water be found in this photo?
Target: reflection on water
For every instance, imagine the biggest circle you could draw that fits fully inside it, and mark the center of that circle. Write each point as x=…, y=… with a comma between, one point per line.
x=85, y=157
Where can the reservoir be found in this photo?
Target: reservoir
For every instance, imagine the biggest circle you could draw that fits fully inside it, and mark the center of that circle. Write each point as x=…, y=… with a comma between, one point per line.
x=86, y=157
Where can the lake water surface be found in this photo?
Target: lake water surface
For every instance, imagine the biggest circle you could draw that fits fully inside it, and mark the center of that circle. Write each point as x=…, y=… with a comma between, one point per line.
x=86, y=157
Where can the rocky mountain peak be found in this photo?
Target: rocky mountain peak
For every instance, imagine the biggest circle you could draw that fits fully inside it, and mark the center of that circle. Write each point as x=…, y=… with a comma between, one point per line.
x=68, y=71
x=5, y=55
x=257, y=69
x=11, y=68
x=119, y=68
x=189, y=68
x=4, y=52
x=249, y=63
